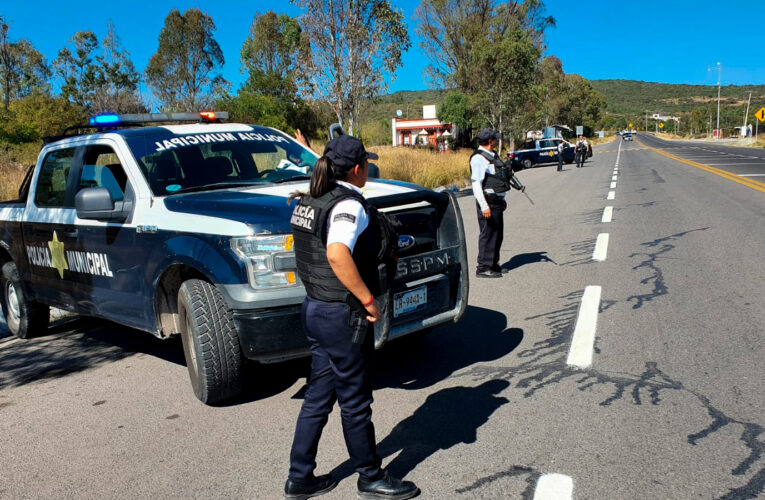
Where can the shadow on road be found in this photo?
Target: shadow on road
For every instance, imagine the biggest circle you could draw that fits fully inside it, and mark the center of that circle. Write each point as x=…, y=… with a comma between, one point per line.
x=415, y=363
x=447, y=418
x=526, y=258
x=74, y=345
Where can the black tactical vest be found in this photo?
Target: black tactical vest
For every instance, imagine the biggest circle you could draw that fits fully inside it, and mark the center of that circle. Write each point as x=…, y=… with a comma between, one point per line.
x=309, y=227
x=497, y=182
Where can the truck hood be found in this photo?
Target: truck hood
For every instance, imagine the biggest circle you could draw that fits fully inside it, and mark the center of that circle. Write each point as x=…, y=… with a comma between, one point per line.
x=264, y=208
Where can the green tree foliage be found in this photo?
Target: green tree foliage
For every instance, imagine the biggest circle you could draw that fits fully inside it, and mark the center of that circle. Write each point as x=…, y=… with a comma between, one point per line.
x=184, y=73
x=269, y=55
x=456, y=109
x=37, y=115
x=584, y=105
x=23, y=69
x=99, y=76
x=452, y=29
x=349, y=50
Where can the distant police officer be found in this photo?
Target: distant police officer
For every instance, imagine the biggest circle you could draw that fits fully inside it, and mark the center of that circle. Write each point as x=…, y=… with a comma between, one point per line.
x=490, y=203
x=561, y=148
x=337, y=247
x=581, y=151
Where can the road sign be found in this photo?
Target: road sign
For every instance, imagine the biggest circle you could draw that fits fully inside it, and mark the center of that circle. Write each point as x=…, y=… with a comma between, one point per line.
x=661, y=125
x=761, y=114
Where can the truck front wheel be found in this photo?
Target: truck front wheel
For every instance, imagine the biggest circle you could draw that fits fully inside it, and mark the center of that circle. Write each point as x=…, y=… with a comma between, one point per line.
x=210, y=342
x=24, y=317
x=527, y=163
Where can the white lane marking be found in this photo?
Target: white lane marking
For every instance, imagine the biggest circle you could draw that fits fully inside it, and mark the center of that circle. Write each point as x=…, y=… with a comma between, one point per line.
x=611, y=195
x=601, y=248
x=613, y=178
x=583, y=339
x=613, y=185
x=751, y=175
x=732, y=164
x=554, y=487
x=608, y=212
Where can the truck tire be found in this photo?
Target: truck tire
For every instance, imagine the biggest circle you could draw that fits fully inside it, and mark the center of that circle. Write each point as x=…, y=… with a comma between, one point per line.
x=210, y=342
x=25, y=318
x=527, y=163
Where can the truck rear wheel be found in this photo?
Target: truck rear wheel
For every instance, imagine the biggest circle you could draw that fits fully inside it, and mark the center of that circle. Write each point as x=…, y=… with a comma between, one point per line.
x=25, y=318
x=210, y=342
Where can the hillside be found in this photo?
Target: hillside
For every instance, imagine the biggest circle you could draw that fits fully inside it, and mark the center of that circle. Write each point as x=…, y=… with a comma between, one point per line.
x=628, y=98
x=635, y=97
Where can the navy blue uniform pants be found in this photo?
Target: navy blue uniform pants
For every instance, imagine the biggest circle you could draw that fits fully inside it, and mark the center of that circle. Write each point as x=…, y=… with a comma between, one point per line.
x=490, y=237
x=339, y=372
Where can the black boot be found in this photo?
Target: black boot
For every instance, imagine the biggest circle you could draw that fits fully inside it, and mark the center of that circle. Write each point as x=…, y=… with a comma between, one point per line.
x=302, y=490
x=387, y=488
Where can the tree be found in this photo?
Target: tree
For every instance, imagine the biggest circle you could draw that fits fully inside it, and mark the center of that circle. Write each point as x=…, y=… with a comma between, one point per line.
x=105, y=81
x=38, y=114
x=269, y=55
x=23, y=69
x=184, y=73
x=452, y=29
x=349, y=49
x=584, y=105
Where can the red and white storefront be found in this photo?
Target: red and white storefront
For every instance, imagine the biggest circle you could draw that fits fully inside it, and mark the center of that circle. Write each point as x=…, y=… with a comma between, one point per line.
x=424, y=132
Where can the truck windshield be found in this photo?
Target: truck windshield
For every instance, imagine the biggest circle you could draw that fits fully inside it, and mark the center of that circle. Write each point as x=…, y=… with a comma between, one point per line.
x=192, y=162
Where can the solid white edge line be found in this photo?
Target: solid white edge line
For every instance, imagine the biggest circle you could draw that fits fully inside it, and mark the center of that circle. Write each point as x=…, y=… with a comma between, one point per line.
x=613, y=185
x=611, y=195
x=554, y=487
x=583, y=340
x=608, y=212
x=601, y=248
x=751, y=175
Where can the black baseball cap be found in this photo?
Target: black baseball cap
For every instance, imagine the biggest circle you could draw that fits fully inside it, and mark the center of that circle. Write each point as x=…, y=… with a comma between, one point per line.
x=346, y=152
x=488, y=134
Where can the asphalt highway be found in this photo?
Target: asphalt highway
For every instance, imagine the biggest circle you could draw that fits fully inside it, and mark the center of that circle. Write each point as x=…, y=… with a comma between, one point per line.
x=626, y=366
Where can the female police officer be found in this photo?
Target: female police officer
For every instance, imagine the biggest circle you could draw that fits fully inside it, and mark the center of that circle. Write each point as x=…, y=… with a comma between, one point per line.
x=336, y=247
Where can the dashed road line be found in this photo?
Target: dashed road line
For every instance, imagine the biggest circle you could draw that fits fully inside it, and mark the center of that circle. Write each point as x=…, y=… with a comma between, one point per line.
x=583, y=340
x=601, y=248
x=611, y=195
x=554, y=487
x=608, y=212
x=613, y=185
x=613, y=178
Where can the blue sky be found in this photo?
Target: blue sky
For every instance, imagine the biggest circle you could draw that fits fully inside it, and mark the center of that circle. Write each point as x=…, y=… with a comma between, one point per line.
x=671, y=41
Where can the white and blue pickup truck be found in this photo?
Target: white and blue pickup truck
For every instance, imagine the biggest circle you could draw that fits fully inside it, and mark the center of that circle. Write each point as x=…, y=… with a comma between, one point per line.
x=173, y=227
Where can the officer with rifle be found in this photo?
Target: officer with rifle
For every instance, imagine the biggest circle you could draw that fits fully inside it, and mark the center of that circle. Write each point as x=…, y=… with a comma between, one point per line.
x=491, y=178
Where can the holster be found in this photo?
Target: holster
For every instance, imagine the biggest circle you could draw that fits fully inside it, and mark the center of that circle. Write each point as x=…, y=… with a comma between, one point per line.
x=358, y=320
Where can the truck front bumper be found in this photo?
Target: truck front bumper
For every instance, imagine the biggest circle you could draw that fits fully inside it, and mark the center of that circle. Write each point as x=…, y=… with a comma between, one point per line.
x=271, y=335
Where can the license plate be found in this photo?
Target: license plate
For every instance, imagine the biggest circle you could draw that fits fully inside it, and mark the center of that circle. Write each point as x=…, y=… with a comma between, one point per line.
x=404, y=302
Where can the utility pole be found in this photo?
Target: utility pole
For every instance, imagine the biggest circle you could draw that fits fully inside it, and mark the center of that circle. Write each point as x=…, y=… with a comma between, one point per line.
x=719, y=79
x=746, y=116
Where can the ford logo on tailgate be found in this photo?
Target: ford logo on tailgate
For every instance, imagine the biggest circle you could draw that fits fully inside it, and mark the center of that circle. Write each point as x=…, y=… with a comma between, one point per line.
x=405, y=241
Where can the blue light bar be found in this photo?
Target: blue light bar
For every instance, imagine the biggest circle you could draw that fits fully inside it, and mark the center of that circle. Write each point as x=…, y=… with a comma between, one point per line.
x=105, y=119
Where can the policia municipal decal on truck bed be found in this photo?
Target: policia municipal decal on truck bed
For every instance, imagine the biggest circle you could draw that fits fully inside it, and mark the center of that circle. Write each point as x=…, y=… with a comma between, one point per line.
x=54, y=256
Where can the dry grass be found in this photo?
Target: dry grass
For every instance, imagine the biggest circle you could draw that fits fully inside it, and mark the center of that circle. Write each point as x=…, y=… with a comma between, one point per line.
x=14, y=161
x=423, y=167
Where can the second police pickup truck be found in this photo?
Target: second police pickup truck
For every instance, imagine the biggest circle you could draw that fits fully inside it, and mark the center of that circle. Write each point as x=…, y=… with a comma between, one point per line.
x=534, y=152
x=184, y=229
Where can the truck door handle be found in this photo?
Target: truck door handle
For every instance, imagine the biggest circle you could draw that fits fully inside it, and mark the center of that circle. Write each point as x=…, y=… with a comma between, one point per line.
x=69, y=233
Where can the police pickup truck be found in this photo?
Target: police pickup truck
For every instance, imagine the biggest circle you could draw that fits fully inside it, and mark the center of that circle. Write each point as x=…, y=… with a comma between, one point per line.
x=183, y=228
x=534, y=152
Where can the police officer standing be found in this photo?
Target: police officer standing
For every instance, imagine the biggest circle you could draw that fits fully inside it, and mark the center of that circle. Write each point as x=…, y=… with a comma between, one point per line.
x=581, y=151
x=561, y=147
x=490, y=204
x=337, y=249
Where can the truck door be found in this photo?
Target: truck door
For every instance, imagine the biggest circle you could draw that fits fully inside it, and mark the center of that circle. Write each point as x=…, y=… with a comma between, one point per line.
x=48, y=227
x=103, y=260
x=547, y=151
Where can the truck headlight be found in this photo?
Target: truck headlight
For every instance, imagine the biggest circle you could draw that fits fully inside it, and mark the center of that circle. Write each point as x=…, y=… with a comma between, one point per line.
x=269, y=258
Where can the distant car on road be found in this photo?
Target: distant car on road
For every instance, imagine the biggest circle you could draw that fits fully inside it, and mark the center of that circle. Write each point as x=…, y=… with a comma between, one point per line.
x=534, y=152
x=627, y=137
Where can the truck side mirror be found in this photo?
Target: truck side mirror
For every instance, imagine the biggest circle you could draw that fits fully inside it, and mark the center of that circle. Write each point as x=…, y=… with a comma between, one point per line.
x=97, y=203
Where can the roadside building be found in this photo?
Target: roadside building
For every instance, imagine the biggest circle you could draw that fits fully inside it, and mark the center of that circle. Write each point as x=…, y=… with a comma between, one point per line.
x=423, y=131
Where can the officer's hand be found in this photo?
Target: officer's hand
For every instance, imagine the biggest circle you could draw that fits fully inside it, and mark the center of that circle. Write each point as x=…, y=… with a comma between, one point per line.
x=486, y=213
x=374, y=311
x=504, y=205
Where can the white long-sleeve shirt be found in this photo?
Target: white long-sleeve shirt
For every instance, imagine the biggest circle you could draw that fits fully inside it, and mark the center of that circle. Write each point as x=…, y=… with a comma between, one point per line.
x=479, y=167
